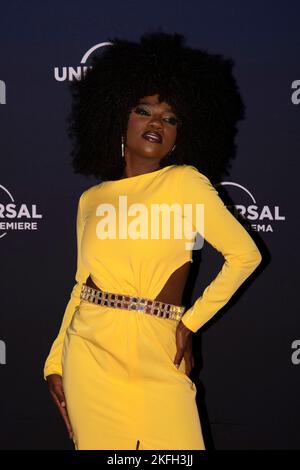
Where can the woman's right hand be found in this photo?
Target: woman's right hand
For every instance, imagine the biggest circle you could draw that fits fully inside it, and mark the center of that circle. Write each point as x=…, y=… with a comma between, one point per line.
x=56, y=390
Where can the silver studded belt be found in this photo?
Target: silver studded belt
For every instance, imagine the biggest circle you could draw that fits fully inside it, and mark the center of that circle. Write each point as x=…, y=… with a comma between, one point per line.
x=130, y=302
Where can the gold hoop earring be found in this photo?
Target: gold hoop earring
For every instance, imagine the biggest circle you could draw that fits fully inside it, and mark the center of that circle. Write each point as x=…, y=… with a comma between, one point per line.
x=122, y=147
x=172, y=149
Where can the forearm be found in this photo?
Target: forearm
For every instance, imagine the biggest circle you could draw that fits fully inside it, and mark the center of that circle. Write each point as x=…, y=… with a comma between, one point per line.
x=234, y=272
x=53, y=361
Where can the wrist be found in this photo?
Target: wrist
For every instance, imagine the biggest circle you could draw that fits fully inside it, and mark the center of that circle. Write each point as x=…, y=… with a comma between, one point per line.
x=185, y=328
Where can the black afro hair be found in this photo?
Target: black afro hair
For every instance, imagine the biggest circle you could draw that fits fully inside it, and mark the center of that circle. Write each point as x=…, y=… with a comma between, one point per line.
x=198, y=85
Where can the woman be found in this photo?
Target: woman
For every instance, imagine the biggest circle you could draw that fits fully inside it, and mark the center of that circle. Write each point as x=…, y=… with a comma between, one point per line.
x=156, y=121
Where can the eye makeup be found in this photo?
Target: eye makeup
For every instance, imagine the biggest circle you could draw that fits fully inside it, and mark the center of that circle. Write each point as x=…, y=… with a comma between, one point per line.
x=140, y=110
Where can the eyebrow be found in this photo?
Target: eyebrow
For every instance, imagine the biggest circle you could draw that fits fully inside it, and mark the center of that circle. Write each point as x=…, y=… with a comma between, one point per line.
x=149, y=104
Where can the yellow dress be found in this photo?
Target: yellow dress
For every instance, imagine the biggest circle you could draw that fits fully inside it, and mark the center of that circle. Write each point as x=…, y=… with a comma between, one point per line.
x=119, y=377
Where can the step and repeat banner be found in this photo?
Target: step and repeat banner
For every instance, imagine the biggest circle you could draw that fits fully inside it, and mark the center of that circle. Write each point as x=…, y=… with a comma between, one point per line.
x=248, y=355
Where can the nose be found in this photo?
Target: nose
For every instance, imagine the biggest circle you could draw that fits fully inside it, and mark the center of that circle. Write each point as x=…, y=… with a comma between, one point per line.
x=156, y=123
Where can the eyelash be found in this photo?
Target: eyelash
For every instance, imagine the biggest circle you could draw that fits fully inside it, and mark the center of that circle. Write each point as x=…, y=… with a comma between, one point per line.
x=174, y=120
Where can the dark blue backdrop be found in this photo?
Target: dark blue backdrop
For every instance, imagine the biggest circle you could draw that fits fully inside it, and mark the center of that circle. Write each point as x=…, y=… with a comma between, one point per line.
x=249, y=353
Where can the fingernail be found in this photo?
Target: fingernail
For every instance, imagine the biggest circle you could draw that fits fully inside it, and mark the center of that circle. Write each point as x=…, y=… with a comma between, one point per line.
x=63, y=403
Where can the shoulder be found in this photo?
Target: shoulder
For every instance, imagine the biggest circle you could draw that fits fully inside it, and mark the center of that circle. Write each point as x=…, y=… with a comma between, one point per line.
x=196, y=185
x=88, y=194
x=190, y=173
x=183, y=169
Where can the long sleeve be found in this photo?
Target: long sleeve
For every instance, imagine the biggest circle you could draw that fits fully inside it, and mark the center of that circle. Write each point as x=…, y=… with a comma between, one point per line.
x=53, y=361
x=226, y=234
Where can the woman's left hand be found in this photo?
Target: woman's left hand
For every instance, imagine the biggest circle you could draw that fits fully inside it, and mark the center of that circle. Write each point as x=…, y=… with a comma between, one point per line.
x=184, y=347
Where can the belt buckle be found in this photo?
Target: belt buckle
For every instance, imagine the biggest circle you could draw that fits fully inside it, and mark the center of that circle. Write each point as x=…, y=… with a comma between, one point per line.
x=138, y=304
